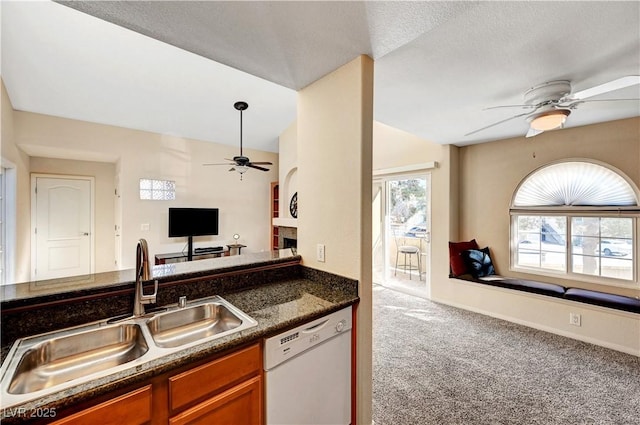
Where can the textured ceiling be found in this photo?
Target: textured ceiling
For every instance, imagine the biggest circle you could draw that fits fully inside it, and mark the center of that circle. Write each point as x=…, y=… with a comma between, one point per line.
x=437, y=64
x=289, y=43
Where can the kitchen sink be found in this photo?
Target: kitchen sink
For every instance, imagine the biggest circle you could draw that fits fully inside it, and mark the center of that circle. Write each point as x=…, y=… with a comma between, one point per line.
x=61, y=359
x=56, y=361
x=186, y=325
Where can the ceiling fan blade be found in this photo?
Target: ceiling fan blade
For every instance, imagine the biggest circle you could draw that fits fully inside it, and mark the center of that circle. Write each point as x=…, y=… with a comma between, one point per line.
x=497, y=123
x=262, y=163
x=251, y=164
x=533, y=132
x=620, y=83
x=232, y=169
x=219, y=163
x=509, y=106
x=572, y=105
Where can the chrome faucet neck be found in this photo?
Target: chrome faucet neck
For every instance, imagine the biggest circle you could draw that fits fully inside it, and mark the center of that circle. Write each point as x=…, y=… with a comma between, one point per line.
x=142, y=260
x=143, y=273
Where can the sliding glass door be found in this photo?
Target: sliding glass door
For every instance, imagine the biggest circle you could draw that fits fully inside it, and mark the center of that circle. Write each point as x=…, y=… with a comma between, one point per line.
x=401, y=232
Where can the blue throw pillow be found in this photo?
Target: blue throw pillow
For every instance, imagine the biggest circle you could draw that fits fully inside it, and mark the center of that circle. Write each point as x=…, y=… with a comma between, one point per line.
x=478, y=262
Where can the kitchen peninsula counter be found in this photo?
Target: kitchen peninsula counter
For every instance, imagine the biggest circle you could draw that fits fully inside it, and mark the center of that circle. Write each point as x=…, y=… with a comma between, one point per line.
x=275, y=290
x=69, y=287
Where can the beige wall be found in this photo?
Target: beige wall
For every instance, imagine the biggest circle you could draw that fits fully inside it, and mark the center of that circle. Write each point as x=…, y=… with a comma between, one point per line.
x=486, y=176
x=20, y=161
x=244, y=205
x=473, y=185
x=104, y=186
x=490, y=173
x=6, y=120
x=615, y=329
x=472, y=189
x=396, y=148
x=288, y=170
x=334, y=180
x=330, y=177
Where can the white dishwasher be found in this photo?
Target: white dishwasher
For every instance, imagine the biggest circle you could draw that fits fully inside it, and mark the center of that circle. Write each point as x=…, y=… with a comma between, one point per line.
x=308, y=373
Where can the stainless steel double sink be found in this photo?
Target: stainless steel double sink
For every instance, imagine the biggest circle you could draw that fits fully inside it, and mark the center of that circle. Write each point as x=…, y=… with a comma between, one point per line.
x=54, y=361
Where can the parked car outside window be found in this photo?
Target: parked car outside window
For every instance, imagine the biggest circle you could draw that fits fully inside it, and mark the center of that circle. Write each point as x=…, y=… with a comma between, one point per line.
x=615, y=248
x=417, y=231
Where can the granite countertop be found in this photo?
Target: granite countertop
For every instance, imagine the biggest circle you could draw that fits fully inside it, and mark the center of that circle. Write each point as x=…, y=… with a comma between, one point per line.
x=275, y=306
x=69, y=286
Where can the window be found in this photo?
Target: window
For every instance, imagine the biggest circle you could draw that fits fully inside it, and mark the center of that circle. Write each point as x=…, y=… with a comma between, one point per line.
x=578, y=219
x=157, y=190
x=541, y=242
x=602, y=246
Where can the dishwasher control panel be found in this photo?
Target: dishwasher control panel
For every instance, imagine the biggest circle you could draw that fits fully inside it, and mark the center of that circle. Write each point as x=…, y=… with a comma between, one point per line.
x=280, y=348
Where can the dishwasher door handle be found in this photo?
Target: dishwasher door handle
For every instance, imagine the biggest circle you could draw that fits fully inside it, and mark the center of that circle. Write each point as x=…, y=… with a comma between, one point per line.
x=315, y=327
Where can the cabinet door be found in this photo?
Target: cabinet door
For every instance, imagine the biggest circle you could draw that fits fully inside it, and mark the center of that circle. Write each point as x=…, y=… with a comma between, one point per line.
x=133, y=408
x=202, y=382
x=240, y=405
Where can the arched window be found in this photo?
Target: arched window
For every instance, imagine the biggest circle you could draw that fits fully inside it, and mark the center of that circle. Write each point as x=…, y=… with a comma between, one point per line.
x=576, y=218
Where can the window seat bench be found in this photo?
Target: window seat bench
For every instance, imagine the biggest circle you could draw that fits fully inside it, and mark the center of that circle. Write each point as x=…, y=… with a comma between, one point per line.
x=587, y=296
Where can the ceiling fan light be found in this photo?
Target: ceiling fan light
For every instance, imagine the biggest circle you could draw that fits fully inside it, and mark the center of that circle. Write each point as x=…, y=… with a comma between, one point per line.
x=550, y=120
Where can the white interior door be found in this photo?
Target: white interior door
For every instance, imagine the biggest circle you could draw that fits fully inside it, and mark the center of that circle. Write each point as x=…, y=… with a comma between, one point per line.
x=62, y=227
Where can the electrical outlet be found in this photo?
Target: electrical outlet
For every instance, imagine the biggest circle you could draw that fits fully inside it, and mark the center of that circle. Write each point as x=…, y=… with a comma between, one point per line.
x=575, y=319
x=320, y=252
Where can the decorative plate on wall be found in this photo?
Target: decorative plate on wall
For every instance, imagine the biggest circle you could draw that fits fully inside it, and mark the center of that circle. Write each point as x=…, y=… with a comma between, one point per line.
x=293, y=205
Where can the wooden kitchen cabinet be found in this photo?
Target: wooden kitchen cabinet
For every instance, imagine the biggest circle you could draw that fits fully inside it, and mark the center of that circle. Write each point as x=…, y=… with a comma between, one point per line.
x=133, y=408
x=240, y=405
x=225, y=390
x=218, y=379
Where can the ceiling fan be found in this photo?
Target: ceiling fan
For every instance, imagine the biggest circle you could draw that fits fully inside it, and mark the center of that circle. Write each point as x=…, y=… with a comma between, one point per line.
x=241, y=163
x=550, y=104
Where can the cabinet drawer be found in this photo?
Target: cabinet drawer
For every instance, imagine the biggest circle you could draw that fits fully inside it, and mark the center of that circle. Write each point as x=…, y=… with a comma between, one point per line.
x=195, y=384
x=133, y=408
x=240, y=405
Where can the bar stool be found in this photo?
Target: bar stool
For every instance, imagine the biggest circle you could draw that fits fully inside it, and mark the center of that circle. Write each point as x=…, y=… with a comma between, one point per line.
x=409, y=250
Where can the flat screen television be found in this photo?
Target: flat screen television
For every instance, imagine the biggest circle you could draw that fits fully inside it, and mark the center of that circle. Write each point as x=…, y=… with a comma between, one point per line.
x=192, y=222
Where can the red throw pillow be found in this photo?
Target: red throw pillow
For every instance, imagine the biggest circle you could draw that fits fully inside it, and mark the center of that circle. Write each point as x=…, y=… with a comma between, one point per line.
x=458, y=266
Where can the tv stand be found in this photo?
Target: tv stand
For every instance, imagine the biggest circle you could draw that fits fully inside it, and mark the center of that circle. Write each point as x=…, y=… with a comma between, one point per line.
x=190, y=255
x=203, y=251
x=180, y=257
x=190, y=248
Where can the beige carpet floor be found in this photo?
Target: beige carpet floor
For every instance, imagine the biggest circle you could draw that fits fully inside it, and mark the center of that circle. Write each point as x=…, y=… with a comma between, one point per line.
x=435, y=364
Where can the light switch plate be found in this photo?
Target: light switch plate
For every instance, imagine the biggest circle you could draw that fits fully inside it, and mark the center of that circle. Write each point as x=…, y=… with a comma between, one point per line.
x=320, y=252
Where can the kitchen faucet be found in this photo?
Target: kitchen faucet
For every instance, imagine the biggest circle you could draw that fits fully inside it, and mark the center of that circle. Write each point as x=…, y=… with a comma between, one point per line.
x=143, y=274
